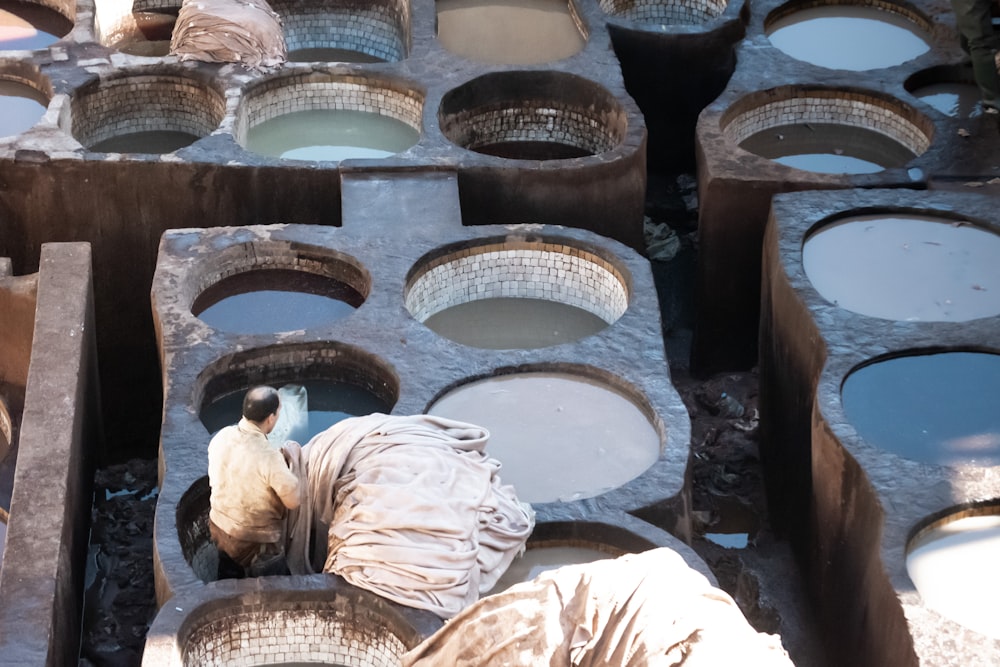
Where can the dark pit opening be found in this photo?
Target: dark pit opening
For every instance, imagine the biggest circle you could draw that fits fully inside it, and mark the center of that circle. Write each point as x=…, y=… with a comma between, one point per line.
x=950, y=89
x=533, y=116
x=149, y=112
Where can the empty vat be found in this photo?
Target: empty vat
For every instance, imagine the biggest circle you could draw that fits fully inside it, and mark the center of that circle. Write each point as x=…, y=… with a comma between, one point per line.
x=345, y=30
x=952, y=562
x=936, y=407
x=665, y=12
x=326, y=116
x=950, y=89
x=510, y=32
x=856, y=36
x=906, y=267
x=30, y=26
x=827, y=130
x=145, y=111
x=560, y=435
x=141, y=28
x=340, y=381
x=533, y=115
x=500, y=294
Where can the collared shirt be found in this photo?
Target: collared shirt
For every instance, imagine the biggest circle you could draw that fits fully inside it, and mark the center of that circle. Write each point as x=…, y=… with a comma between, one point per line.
x=250, y=482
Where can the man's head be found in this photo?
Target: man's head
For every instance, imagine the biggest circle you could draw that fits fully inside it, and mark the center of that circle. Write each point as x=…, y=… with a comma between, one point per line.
x=261, y=405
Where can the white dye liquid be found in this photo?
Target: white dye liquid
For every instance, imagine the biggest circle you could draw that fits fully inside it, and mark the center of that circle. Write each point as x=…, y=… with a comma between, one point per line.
x=512, y=32
x=514, y=323
x=957, y=100
x=954, y=568
x=909, y=268
x=557, y=436
x=829, y=148
x=537, y=560
x=21, y=107
x=848, y=37
x=331, y=135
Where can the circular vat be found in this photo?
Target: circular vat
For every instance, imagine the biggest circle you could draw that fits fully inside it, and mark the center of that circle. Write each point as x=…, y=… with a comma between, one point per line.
x=345, y=30
x=29, y=26
x=952, y=561
x=511, y=32
x=934, y=407
x=561, y=433
x=287, y=621
x=553, y=544
x=906, y=266
x=951, y=89
x=501, y=294
x=533, y=115
x=324, y=116
x=856, y=36
x=665, y=12
x=152, y=113
x=298, y=286
x=24, y=97
x=324, y=383
x=141, y=28
x=828, y=131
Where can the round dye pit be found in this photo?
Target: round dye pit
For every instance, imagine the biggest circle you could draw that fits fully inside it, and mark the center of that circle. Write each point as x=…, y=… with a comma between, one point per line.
x=335, y=381
x=293, y=300
x=516, y=295
x=143, y=28
x=828, y=131
x=286, y=621
x=29, y=26
x=559, y=436
x=663, y=13
x=906, y=267
x=853, y=36
x=953, y=562
x=150, y=113
x=533, y=115
x=345, y=31
x=328, y=117
x=938, y=408
x=23, y=106
x=510, y=32
x=951, y=90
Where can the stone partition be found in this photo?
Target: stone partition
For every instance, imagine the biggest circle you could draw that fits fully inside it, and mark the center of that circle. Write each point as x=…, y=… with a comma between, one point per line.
x=849, y=507
x=42, y=574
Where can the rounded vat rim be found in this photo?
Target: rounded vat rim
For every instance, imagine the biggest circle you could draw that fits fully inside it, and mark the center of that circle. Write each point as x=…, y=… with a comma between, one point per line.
x=903, y=8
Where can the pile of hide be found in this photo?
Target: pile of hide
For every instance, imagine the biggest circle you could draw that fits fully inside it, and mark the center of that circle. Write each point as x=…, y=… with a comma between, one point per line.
x=247, y=32
x=412, y=507
x=639, y=610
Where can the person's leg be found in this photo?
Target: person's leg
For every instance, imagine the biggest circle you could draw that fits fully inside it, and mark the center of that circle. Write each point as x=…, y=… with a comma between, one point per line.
x=976, y=27
x=234, y=555
x=270, y=561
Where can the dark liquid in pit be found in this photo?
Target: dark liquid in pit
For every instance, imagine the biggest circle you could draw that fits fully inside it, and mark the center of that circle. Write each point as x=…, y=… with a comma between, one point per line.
x=153, y=142
x=533, y=150
x=829, y=148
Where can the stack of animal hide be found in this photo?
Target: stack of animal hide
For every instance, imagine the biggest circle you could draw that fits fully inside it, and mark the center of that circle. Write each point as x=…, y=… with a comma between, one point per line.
x=247, y=32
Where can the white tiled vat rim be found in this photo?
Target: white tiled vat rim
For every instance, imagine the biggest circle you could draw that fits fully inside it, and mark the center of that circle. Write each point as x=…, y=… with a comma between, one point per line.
x=380, y=29
x=549, y=271
x=900, y=8
x=854, y=109
x=671, y=12
x=140, y=102
x=289, y=94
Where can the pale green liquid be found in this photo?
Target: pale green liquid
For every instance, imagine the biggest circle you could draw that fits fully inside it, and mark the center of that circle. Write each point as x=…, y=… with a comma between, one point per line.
x=331, y=135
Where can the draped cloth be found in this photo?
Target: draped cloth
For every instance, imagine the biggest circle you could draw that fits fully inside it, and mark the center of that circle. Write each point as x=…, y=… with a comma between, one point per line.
x=247, y=32
x=412, y=507
x=639, y=610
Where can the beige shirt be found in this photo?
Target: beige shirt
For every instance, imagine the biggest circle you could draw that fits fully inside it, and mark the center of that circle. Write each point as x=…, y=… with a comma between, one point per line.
x=251, y=484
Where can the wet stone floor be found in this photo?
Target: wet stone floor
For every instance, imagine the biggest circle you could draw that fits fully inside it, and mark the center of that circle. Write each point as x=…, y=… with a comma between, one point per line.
x=734, y=537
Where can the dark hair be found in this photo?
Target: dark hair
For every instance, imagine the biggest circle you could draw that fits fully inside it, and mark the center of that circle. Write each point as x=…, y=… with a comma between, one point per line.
x=260, y=403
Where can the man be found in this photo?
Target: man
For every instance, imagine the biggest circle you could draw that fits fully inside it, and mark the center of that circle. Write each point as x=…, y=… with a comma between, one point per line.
x=975, y=26
x=252, y=487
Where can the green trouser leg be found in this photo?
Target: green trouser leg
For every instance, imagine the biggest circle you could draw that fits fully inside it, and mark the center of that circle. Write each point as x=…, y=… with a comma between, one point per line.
x=975, y=25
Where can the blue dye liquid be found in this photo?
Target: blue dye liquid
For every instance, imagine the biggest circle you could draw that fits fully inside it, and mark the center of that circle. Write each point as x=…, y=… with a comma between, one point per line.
x=934, y=408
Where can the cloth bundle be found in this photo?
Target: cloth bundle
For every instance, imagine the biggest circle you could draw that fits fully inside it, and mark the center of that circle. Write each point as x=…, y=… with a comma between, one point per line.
x=412, y=507
x=229, y=31
x=639, y=610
